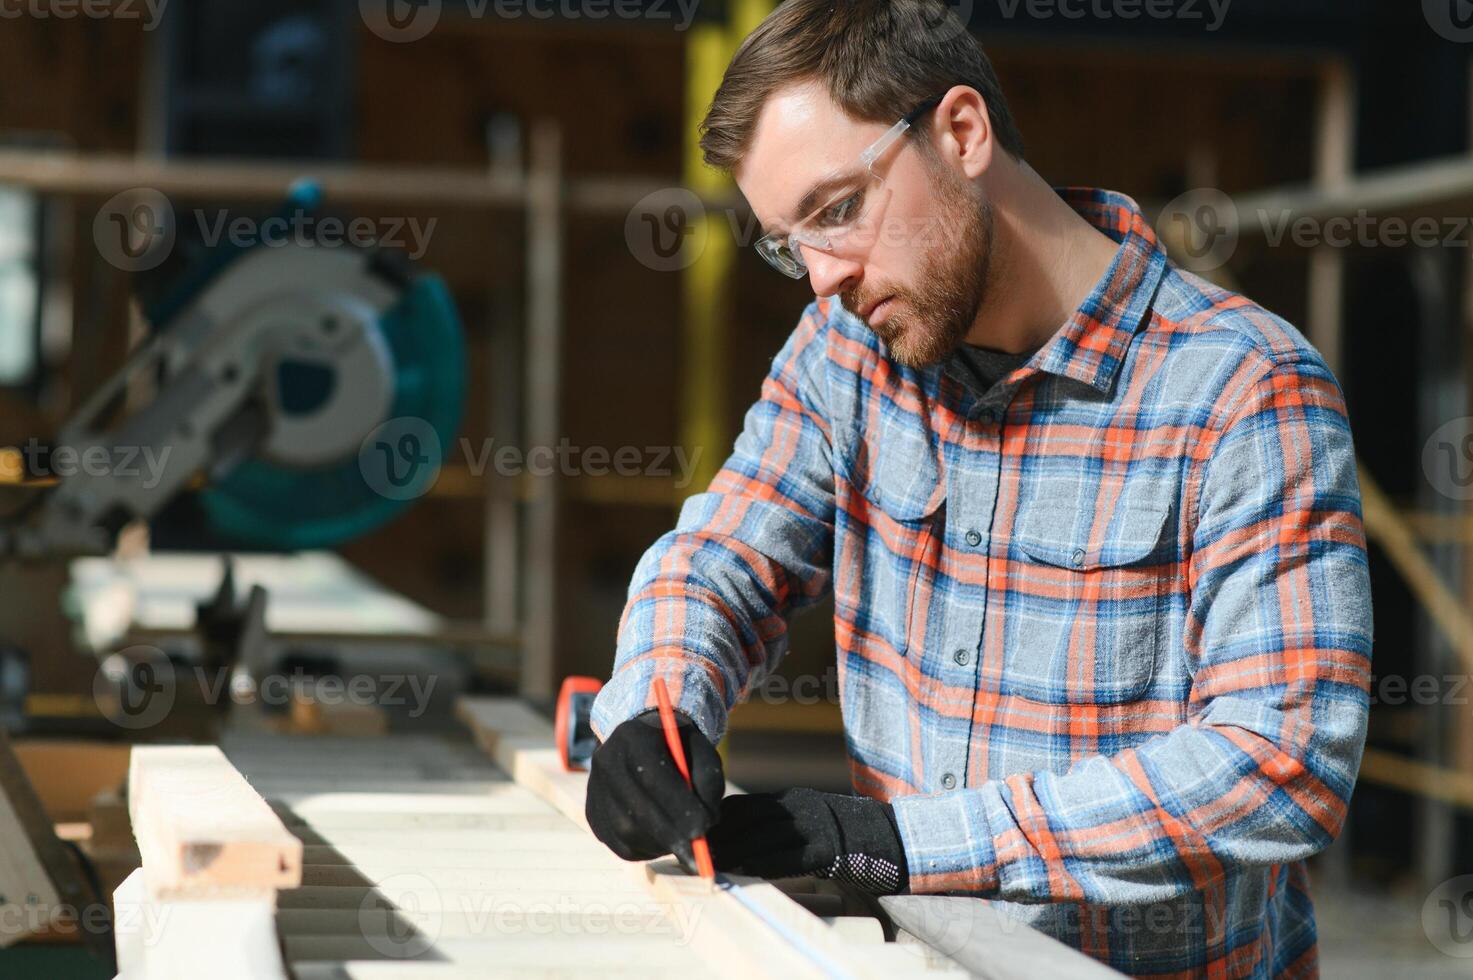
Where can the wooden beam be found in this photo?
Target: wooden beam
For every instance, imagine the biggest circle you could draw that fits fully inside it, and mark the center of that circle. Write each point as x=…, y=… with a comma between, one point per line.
x=543, y=410
x=732, y=935
x=202, y=829
x=1432, y=188
x=1433, y=782
x=220, y=938
x=1385, y=525
x=103, y=175
x=1334, y=166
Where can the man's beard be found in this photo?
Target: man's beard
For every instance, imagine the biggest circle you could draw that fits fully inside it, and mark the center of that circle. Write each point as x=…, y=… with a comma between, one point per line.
x=929, y=321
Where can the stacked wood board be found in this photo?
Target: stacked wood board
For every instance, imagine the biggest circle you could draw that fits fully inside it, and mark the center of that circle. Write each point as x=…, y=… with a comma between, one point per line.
x=422, y=857
x=214, y=857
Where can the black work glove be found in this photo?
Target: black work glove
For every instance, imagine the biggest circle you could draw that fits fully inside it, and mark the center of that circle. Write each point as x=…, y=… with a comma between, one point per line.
x=638, y=803
x=805, y=832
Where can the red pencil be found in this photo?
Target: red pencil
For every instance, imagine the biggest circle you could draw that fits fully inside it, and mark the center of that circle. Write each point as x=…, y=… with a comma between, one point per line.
x=672, y=738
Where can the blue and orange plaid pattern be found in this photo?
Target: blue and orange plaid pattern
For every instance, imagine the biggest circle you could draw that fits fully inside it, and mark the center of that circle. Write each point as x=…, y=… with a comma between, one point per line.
x=1103, y=632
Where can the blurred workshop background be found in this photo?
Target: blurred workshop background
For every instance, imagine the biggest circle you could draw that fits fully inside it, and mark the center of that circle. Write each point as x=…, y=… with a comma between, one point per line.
x=539, y=158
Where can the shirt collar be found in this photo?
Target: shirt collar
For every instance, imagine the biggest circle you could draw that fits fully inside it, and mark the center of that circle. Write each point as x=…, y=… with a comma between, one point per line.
x=1091, y=345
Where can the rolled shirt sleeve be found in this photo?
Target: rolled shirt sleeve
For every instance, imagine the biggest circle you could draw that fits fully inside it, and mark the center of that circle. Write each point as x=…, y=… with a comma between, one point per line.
x=708, y=603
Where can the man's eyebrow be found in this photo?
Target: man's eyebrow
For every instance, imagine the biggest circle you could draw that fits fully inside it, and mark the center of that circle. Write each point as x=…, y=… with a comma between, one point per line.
x=817, y=196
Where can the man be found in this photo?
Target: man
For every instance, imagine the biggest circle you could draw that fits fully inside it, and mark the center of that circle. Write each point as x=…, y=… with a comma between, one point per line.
x=1092, y=527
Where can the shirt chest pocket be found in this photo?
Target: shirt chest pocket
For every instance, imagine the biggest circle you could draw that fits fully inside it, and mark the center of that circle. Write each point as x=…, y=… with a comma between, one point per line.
x=894, y=550
x=1086, y=609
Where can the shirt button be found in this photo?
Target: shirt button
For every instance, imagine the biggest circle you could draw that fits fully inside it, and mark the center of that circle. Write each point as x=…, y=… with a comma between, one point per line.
x=962, y=657
x=1078, y=557
x=973, y=538
x=948, y=781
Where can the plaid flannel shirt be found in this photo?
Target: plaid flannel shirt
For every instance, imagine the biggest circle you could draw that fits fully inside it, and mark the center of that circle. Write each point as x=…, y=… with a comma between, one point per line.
x=1103, y=632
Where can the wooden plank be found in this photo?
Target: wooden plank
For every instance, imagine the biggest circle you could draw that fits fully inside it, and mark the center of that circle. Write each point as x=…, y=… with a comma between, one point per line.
x=401, y=823
x=1334, y=166
x=1426, y=188
x=201, y=827
x=1386, y=527
x=380, y=890
x=1426, y=780
x=302, y=785
x=267, y=745
x=463, y=842
x=185, y=939
x=988, y=942
x=407, y=854
x=103, y=175
x=587, y=953
x=496, y=878
x=504, y=798
x=381, y=970
x=736, y=940
x=500, y=920
x=546, y=214
x=520, y=741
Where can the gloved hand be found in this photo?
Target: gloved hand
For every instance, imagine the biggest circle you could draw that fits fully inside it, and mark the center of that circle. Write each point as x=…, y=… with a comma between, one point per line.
x=805, y=832
x=638, y=803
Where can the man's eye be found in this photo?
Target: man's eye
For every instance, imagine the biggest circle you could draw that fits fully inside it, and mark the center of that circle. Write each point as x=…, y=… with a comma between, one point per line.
x=842, y=212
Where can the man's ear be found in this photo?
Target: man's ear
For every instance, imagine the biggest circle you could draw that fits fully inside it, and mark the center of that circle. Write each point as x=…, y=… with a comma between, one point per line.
x=962, y=129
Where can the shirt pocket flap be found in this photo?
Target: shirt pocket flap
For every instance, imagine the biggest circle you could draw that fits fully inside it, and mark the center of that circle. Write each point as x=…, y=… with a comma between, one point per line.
x=898, y=470
x=1085, y=626
x=1132, y=535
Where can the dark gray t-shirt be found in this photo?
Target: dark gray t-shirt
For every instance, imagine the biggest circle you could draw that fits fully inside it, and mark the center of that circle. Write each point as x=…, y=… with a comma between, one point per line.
x=983, y=367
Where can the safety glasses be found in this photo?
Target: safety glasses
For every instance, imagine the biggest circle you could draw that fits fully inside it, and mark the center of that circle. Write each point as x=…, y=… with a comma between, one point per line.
x=839, y=227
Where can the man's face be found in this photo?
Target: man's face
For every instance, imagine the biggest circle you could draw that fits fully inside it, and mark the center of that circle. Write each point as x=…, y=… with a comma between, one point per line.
x=917, y=269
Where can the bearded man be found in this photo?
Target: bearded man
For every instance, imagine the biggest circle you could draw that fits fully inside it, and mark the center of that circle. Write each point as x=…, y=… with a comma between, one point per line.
x=1091, y=524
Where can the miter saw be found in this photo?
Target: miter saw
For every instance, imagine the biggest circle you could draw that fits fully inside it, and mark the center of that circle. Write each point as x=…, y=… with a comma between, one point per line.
x=267, y=371
x=275, y=381
x=283, y=384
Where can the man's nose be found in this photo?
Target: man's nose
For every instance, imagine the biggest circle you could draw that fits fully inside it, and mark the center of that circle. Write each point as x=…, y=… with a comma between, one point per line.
x=828, y=274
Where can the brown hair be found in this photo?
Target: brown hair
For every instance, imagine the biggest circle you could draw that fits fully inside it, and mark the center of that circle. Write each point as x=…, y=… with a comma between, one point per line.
x=879, y=59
